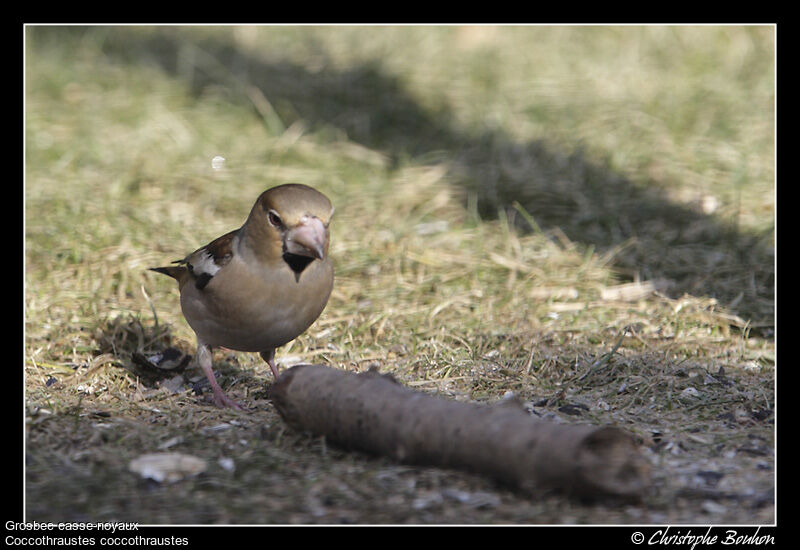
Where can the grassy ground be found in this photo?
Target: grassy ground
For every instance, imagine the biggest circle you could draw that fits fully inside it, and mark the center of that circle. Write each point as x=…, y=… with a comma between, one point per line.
x=512, y=204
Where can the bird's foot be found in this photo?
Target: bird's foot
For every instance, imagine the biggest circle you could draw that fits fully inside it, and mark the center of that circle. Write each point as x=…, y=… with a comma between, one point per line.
x=220, y=399
x=223, y=401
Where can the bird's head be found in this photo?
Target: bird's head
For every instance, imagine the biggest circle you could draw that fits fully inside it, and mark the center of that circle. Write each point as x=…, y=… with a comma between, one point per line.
x=290, y=222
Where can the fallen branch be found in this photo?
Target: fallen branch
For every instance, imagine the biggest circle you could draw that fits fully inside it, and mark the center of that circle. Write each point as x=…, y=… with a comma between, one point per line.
x=374, y=413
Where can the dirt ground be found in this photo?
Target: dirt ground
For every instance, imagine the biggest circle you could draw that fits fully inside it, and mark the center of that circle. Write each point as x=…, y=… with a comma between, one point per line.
x=711, y=463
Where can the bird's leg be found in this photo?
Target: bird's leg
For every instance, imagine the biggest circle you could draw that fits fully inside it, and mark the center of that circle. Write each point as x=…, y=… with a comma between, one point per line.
x=269, y=357
x=204, y=359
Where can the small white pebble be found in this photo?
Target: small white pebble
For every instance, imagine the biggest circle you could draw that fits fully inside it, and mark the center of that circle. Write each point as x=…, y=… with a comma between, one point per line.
x=218, y=162
x=711, y=507
x=167, y=466
x=171, y=443
x=709, y=204
x=690, y=392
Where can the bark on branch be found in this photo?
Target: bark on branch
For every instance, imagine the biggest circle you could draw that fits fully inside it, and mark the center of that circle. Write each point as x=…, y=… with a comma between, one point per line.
x=374, y=413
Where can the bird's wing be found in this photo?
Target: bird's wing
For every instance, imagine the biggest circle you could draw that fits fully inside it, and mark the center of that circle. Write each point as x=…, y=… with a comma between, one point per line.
x=201, y=265
x=205, y=262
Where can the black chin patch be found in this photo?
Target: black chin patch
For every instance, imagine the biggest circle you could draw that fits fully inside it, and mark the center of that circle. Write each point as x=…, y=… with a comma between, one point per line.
x=297, y=263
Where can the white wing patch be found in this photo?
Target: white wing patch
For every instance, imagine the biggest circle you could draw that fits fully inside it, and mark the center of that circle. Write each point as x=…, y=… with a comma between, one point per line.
x=203, y=263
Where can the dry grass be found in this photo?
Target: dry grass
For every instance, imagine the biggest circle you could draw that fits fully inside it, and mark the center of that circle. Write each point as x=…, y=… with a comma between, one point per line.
x=514, y=221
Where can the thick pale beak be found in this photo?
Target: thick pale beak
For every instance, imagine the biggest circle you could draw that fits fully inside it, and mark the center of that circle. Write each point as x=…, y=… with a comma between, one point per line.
x=307, y=238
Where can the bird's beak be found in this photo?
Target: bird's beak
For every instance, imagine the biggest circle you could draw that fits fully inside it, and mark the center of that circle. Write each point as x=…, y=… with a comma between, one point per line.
x=307, y=238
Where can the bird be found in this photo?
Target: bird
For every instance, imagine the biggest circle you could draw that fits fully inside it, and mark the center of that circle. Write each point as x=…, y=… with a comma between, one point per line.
x=262, y=285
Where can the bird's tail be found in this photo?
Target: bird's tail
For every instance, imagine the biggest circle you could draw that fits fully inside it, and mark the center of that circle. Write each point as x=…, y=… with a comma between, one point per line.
x=177, y=272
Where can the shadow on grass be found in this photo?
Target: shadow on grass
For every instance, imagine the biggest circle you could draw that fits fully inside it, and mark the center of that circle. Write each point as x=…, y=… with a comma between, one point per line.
x=645, y=233
x=143, y=349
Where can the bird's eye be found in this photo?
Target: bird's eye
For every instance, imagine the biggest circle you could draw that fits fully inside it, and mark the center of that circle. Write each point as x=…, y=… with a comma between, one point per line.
x=274, y=218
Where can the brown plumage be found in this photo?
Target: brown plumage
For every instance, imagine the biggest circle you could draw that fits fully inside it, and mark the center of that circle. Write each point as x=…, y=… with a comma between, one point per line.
x=262, y=285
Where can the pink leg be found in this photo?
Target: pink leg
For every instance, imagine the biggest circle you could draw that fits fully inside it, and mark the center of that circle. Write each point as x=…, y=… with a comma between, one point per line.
x=204, y=359
x=269, y=357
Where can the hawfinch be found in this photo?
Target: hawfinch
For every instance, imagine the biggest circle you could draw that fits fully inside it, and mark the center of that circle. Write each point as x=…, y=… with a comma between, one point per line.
x=262, y=285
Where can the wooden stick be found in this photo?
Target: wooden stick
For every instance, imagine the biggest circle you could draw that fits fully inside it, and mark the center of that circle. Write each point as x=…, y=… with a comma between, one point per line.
x=374, y=413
